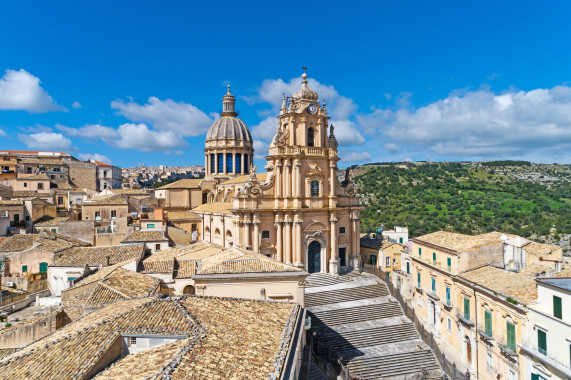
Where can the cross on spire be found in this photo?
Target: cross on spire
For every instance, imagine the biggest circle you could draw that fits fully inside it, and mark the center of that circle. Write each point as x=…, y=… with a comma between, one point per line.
x=304, y=68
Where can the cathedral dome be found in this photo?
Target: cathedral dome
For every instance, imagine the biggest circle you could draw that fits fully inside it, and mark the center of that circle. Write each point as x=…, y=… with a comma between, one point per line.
x=229, y=128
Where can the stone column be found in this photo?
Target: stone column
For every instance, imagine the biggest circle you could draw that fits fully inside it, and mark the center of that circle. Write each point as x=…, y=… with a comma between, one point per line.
x=206, y=167
x=247, y=230
x=234, y=163
x=237, y=240
x=298, y=242
x=332, y=174
x=287, y=179
x=278, y=179
x=215, y=162
x=242, y=163
x=296, y=166
x=287, y=225
x=334, y=260
x=355, y=258
x=224, y=161
x=256, y=239
x=279, y=236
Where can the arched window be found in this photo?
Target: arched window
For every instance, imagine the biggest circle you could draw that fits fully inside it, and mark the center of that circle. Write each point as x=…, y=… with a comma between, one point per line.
x=238, y=163
x=217, y=233
x=246, y=163
x=212, y=164
x=220, y=163
x=314, y=188
x=228, y=234
x=310, y=138
x=189, y=289
x=228, y=162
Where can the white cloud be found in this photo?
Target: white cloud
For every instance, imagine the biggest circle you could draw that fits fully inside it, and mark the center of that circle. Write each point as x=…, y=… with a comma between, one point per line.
x=76, y=104
x=94, y=156
x=266, y=129
x=2, y=133
x=392, y=147
x=130, y=136
x=166, y=115
x=350, y=157
x=20, y=90
x=341, y=109
x=481, y=124
x=47, y=141
x=261, y=149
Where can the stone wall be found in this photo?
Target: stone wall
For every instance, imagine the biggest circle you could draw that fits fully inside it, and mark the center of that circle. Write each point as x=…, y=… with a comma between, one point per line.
x=81, y=229
x=27, y=332
x=485, y=254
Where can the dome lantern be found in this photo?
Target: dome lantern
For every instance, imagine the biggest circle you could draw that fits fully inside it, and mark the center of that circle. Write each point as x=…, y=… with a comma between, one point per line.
x=229, y=104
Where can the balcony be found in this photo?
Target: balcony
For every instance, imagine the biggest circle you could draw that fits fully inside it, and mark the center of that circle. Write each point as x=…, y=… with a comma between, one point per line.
x=506, y=350
x=530, y=348
x=465, y=321
x=302, y=150
x=482, y=331
x=432, y=294
x=447, y=304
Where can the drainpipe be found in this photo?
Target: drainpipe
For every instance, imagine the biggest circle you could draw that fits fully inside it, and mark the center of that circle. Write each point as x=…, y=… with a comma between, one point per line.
x=476, y=331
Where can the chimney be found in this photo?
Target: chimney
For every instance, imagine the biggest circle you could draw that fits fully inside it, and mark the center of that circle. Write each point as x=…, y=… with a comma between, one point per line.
x=159, y=214
x=108, y=259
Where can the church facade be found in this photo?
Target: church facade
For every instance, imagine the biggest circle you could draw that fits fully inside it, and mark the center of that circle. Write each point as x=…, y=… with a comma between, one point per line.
x=297, y=212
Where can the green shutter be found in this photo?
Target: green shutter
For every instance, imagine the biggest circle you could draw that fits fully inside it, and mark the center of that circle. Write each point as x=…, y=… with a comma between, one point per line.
x=43, y=267
x=557, y=307
x=449, y=263
x=466, y=308
x=418, y=278
x=534, y=376
x=448, y=295
x=434, y=257
x=433, y=285
x=24, y=268
x=419, y=252
x=510, y=327
x=542, y=341
x=488, y=321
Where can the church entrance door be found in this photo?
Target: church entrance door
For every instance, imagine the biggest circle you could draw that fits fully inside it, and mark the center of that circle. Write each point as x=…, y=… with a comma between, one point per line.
x=342, y=258
x=314, y=257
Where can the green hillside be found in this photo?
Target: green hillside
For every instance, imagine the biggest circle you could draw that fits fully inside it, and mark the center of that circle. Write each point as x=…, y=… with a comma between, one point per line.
x=509, y=196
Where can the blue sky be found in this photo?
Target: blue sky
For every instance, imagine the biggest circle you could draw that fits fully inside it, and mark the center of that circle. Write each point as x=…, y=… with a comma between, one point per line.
x=140, y=82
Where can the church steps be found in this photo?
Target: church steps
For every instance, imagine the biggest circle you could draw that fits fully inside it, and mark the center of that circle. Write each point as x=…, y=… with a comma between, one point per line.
x=336, y=296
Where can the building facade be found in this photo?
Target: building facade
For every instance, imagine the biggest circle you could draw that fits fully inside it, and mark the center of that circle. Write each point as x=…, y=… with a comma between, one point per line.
x=298, y=212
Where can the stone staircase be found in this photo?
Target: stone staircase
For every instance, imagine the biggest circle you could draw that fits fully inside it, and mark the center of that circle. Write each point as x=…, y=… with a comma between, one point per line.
x=357, y=323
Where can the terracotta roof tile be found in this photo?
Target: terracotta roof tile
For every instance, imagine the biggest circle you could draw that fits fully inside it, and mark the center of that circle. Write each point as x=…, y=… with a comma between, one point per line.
x=458, y=242
x=216, y=207
x=145, y=236
x=183, y=184
x=244, y=178
x=95, y=256
x=184, y=215
x=506, y=283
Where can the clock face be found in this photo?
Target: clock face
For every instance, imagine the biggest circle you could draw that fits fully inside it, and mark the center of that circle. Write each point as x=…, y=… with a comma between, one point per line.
x=312, y=108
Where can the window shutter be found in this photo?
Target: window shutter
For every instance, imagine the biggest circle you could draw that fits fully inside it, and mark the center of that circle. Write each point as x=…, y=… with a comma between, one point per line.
x=488, y=321
x=542, y=341
x=557, y=307
x=511, y=336
x=467, y=308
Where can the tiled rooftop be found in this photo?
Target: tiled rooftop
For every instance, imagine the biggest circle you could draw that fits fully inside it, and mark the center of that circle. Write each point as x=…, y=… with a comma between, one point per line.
x=183, y=215
x=541, y=250
x=52, y=221
x=106, y=200
x=183, y=184
x=215, y=207
x=506, y=283
x=222, y=341
x=97, y=256
x=204, y=258
x=458, y=242
x=11, y=202
x=140, y=236
x=535, y=270
x=565, y=272
x=46, y=240
x=244, y=178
